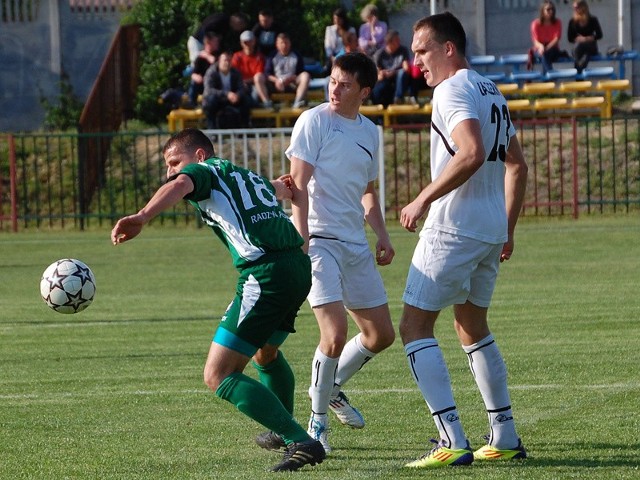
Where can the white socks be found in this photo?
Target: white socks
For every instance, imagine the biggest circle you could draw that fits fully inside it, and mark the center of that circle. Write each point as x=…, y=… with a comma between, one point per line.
x=329, y=374
x=323, y=374
x=490, y=373
x=354, y=356
x=432, y=377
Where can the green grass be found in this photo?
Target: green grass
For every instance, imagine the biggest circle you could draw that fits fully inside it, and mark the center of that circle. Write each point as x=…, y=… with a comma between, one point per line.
x=116, y=392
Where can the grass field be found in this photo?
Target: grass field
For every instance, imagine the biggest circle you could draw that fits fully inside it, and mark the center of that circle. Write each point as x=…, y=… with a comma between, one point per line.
x=116, y=392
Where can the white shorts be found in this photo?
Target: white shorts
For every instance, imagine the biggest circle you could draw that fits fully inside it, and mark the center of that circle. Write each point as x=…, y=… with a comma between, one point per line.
x=346, y=272
x=449, y=270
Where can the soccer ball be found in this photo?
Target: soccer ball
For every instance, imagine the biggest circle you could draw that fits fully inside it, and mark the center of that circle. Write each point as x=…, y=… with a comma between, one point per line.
x=68, y=286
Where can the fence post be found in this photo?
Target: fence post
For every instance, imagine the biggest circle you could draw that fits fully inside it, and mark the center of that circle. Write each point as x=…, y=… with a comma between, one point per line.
x=13, y=187
x=82, y=175
x=574, y=125
x=381, y=175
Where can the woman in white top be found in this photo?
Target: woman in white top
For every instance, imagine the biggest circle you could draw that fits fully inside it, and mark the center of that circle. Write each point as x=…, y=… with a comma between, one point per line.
x=333, y=34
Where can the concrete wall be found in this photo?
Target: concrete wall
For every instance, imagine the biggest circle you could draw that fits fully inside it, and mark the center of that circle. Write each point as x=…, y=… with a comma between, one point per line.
x=37, y=45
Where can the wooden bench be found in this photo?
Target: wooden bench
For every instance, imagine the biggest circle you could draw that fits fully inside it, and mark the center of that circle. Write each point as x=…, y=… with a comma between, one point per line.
x=577, y=93
x=287, y=99
x=540, y=88
x=519, y=105
x=373, y=112
x=392, y=112
x=544, y=98
x=578, y=86
x=182, y=118
x=608, y=87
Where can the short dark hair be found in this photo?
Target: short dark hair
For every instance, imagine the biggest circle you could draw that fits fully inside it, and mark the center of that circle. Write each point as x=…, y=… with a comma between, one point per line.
x=391, y=34
x=445, y=27
x=360, y=66
x=189, y=140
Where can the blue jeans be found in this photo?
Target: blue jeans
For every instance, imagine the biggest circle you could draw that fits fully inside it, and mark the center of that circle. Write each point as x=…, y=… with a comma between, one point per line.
x=389, y=89
x=547, y=58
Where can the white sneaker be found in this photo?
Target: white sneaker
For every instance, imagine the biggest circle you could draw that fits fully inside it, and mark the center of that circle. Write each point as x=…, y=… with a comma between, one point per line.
x=318, y=431
x=347, y=414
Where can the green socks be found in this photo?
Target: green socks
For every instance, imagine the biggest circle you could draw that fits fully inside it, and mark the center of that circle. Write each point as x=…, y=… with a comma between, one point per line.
x=278, y=377
x=260, y=404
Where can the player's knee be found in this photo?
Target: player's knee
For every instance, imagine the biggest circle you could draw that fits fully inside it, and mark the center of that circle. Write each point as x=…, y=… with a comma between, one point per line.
x=212, y=379
x=388, y=338
x=382, y=339
x=333, y=345
x=411, y=330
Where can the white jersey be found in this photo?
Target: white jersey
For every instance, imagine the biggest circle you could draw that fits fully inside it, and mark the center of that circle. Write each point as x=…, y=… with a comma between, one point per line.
x=477, y=208
x=344, y=154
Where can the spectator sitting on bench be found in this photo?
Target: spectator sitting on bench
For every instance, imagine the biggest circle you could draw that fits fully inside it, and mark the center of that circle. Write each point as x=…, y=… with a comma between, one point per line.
x=334, y=36
x=349, y=44
x=372, y=32
x=225, y=101
x=584, y=31
x=228, y=27
x=206, y=57
x=285, y=71
x=546, y=31
x=394, y=74
x=251, y=63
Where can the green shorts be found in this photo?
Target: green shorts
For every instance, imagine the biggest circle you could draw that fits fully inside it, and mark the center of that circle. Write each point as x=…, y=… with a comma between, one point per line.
x=269, y=294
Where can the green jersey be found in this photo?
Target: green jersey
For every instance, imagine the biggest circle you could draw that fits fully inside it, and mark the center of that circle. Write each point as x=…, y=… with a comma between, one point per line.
x=241, y=208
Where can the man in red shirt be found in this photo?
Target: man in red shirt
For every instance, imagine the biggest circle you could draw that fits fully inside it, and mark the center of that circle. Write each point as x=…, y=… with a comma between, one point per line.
x=251, y=64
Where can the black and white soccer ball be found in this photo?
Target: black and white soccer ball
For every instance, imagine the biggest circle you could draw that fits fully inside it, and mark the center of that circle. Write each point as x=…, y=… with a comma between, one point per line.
x=68, y=286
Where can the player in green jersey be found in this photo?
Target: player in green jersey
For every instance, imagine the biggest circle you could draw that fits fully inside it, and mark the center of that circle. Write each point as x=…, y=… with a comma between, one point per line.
x=275, y=277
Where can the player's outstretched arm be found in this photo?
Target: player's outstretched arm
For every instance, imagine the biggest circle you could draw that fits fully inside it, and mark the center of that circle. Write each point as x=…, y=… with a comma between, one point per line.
x=166, y=197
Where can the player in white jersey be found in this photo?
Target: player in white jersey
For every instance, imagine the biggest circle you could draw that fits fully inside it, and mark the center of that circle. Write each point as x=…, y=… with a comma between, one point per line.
x=334, y=163
x=478, y=182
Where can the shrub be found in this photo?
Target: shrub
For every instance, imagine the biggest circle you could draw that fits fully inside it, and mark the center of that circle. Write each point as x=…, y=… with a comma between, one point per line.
x=65, y=112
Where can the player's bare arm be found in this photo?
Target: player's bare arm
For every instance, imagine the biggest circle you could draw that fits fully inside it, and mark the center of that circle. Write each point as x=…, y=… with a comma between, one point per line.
x=166, y=197
x=301, y=173
x=373, y=216
x=515, y=185
x=468, y=159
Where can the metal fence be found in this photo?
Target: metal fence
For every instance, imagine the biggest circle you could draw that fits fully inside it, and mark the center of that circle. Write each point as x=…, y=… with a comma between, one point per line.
x=577, y=167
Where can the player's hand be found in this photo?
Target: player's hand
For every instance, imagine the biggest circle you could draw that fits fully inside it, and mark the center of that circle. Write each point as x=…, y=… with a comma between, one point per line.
x=305, y=246
x=410, y=215
x=286, y=178
x=283, y=187
x=507, y=250
x=384, y=252
x=126, y=229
